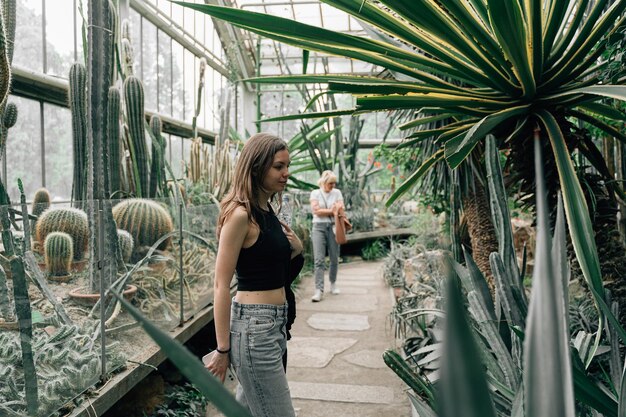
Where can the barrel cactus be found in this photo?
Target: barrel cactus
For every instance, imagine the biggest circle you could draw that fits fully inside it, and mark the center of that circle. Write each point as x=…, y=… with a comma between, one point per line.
x=69, y=220
x=126, y=244
x=146, y=220
x=58, y=253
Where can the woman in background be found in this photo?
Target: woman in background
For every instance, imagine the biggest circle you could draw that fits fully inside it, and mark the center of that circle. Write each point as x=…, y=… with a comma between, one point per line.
x=325, y=202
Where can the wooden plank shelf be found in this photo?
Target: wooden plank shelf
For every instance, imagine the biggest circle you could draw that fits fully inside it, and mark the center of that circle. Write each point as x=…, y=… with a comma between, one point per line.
x=358, y=237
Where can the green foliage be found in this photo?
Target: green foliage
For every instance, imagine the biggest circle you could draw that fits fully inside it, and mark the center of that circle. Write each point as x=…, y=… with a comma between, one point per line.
x=362, y=219
x=374, y=250
x=126, y=244
x=146, y=220
x=183, y=401
x=58, y=253
x=69, y=220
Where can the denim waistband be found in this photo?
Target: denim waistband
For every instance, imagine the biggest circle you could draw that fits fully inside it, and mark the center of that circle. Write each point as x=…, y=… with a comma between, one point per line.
x=239, y=310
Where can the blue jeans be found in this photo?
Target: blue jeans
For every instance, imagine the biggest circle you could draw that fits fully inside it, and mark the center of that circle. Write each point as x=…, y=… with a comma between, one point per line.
x=323, y=238
x=258, y=340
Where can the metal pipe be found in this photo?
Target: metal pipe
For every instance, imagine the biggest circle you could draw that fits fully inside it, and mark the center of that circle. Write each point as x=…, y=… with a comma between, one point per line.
x=103, y=359
x=180, y=263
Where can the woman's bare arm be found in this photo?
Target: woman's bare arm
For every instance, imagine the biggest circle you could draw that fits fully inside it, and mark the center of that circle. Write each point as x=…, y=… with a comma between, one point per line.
x=232, y=236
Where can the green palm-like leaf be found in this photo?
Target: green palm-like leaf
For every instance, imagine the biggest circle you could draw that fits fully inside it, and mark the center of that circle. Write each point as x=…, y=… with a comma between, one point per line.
x=548, y=376
x=464, y=389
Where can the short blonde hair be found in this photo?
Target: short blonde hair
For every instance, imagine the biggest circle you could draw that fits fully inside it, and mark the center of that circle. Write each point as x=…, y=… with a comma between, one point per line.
x=327, y=176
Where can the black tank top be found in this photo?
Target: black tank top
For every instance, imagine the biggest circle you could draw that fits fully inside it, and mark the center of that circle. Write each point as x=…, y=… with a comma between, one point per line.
x=264, y=265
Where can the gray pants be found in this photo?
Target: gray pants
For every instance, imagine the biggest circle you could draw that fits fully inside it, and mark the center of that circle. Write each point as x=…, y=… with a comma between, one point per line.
x=258, y=340
x=324, y=239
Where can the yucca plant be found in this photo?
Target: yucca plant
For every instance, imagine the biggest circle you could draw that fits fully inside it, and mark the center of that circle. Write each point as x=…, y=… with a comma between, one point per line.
x=531, y=370
x=479, y=66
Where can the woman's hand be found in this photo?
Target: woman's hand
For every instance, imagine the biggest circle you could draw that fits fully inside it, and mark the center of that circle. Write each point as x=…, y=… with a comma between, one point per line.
x=218, y=364
x=294, y=240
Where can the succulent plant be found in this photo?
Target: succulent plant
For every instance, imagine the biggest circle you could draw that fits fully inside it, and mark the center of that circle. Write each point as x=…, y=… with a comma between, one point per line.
x=58, y=253
x=114, y=142
x=146, y=220
x=69, y=220
x=125, y=243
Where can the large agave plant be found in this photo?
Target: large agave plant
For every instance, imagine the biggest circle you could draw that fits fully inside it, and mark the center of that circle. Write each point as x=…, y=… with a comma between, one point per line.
x=479, y=67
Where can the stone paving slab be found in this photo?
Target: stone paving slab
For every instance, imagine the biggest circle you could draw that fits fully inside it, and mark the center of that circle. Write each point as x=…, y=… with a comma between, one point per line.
x=370, y=394
x=366, y=358
x=316, y=352
x=342, y=303
x=348, y=289
x=347, y=322
x=359, y=284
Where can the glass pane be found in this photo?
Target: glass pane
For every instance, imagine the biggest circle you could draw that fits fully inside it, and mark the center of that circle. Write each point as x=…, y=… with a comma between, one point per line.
x=165, y=6
x=60, y=37
x=28, y=35
x=149, y=66
x=165, y=74
x=308, y=14
x=135, y=40
x=177, y=14
x=178, y=98
x=190, y=85
x=58, y=150
x=24, y=149
x=199, y=26
x=334, y=19
x=79, y=57
x=208, y=99
x=176, y=146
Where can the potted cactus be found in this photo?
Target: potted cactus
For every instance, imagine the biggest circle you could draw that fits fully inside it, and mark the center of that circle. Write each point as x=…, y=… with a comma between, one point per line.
x=58, y=256
x=72, y=221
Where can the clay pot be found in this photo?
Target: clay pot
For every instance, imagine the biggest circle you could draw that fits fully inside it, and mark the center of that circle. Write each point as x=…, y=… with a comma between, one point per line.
x=59, y=278
x=85, y=299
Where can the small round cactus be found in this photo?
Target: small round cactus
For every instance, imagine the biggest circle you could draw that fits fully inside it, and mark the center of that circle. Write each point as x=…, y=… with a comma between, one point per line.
x=41, y=202
x=69, y=220
x=146, y=220
x=126, y=244
x=58, y=253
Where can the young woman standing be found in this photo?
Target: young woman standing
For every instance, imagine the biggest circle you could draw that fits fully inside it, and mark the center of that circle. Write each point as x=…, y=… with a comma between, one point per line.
x=251, y=331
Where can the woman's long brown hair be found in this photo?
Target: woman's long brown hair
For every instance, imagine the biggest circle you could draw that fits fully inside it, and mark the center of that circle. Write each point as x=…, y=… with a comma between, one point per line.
x=255, y=160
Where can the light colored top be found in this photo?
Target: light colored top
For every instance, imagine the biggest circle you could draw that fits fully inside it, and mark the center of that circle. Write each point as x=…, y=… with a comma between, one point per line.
x=326, y=201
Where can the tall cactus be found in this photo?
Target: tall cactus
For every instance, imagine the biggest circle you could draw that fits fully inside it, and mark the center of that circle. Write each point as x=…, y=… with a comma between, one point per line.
x=41, y=203
x=58, y=253
x=7, y=38
x=146, y=220
x=157, y=167
x=78, y=108
x=69, y=220
x=114, y=141
x=134, y=98
x=100, y=64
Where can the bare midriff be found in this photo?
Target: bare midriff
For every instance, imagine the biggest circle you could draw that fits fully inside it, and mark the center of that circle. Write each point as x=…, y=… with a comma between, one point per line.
x=274, y=297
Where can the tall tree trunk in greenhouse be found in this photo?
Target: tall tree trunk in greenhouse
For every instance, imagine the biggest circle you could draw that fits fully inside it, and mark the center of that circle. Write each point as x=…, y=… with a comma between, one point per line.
x=100, y=69
x=611, y=248
x=480, y=228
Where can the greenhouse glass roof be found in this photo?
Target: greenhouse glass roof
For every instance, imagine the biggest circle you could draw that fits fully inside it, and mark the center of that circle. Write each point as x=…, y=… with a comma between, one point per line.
x=278, y=58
